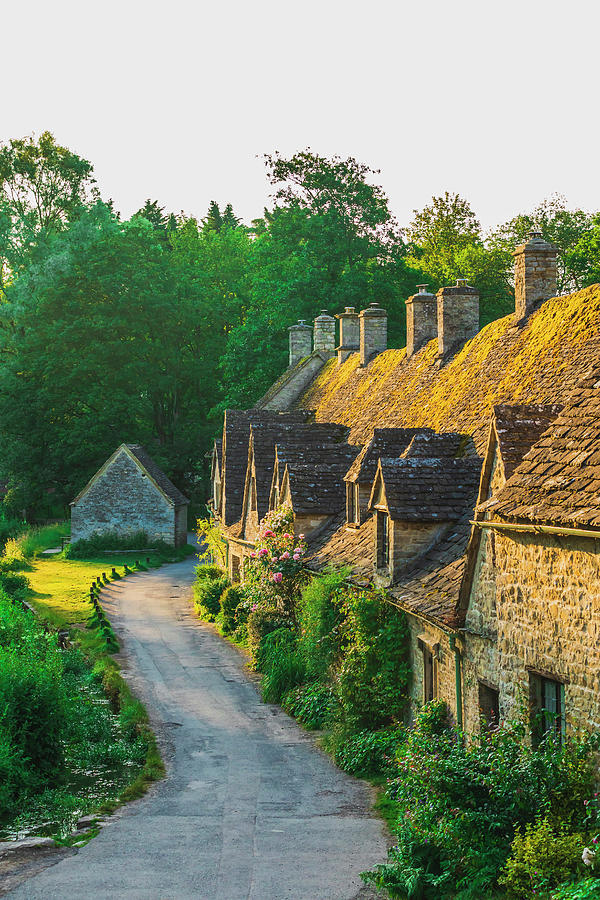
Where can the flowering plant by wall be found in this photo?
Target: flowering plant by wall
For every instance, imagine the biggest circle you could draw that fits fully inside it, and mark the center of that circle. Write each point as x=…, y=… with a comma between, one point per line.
x=274, y=569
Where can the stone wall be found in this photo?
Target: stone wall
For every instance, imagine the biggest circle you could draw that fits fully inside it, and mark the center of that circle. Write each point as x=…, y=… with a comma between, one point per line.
x=437, y=641
x=421, y=320
x=373, y=333
x=535, y=605
x=124, y=500
x=457, y=316
x=535, y=274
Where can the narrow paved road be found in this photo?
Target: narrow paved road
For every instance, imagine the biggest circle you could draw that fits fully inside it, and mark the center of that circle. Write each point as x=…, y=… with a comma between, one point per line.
x=249, y=810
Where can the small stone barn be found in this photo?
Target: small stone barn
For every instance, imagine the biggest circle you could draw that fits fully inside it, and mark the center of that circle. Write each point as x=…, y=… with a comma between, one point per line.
x=129, y=493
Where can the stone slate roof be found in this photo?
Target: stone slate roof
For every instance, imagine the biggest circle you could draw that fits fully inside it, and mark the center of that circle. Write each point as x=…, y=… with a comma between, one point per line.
x=317, y=485
x=157, y=475
x=236, y=437
x=518, y=427
x=338, y=545
x=429, y=490
x=540, y=361
x=429, y=445
x=558, y=481
x=387, y=443
x=307, y=439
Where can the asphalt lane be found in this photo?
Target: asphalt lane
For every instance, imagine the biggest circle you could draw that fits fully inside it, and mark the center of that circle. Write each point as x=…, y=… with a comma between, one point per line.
x=250, y=808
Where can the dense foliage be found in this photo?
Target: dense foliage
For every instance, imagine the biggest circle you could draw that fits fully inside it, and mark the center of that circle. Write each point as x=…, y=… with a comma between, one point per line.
x=145, y=330
x=467, y=811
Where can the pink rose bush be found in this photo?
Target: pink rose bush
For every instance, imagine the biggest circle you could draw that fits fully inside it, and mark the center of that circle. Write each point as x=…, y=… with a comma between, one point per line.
x=274, y=569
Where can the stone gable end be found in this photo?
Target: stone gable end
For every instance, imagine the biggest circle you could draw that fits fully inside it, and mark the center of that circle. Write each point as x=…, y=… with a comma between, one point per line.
x=124, y=499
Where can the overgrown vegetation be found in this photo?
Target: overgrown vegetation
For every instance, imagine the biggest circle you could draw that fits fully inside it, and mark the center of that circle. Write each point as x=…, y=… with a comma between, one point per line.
x=494, y=816
x=73, y=739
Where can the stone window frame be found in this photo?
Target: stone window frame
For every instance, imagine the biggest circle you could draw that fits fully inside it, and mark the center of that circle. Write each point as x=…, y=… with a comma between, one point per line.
x=430, y=670
x=546, y=686
x=489, y=702
x=382, y=541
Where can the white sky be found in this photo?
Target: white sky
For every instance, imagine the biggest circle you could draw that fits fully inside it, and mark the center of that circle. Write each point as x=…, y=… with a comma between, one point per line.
x=175, y=100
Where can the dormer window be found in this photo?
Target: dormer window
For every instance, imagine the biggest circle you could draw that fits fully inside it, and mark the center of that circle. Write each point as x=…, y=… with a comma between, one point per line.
x=383, y=541
x=352, y=503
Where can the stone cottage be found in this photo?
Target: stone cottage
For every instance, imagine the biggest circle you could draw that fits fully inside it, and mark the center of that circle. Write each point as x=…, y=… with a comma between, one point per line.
x=473, y=498
x=128, y=494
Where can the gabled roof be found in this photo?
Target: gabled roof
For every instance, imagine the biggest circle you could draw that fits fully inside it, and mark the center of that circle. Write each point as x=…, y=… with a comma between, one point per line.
x=429, y=445
x=558, y=481
x=427, y=490
x=538, y=361
x=236, y=437
x=145, y=462
x=316, y=484
x=388, y=443
x=517, y=427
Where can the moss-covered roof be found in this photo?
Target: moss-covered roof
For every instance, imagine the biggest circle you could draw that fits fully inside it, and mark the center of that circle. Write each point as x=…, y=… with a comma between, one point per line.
x=539, y=361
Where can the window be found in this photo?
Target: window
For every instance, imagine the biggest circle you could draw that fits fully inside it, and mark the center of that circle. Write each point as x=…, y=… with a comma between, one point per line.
x=253, y=495
x=547, y=706
x=489, y=706
x=217, y=494
x=429, y=690
x=356, y=503
x=383, y=541
x=235, y=568
x=350, y=513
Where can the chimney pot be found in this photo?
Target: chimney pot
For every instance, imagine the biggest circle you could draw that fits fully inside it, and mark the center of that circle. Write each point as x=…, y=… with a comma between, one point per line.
x=422, y=288
x=349, y=334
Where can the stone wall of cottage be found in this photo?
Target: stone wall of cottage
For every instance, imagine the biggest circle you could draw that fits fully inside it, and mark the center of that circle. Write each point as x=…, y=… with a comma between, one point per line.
x=535, y=605
x=437, y=641
x=124, y=500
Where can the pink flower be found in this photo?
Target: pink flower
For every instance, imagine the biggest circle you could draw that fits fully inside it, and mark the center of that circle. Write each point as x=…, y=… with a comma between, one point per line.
x=287, y=536
x=263, y=551
x=253, y=554
x=269, y=533
x=277, y=577
x=300, y=537
x=298, y=550
x=285, y=555
x=296, y=556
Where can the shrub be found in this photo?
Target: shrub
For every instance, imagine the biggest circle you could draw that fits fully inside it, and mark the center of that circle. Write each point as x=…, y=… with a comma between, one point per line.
x=209, y=571
x=100, y=542
x=366, y=752
x=230, y=601
x=319, y=619
x=459, y=804
x=207, y=593
x=282, y=665
x=373, y=678
x=14, y=585
x=542, y=856
x=313, y=705
x=586, y=889
x=262, y=620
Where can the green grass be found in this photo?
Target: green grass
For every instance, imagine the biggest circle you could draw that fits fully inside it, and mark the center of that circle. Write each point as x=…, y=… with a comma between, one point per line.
x=60, y=594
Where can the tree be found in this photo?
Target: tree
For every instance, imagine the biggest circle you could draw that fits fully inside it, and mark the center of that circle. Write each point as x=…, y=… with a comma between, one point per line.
x=446, y=243
x=43, y=186
x=105, y=340
x=215, y=220
x=329, y=242
x=571, y=231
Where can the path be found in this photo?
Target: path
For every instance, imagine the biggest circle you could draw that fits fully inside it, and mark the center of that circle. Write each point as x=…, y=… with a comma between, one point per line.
x=249, y=810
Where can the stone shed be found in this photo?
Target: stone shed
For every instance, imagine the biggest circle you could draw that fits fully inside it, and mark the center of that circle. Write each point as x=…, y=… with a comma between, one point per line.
x=129, y=493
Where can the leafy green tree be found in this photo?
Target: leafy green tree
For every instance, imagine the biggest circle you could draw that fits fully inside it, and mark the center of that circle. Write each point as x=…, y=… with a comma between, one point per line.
x=574, y=232
x=104, y=341
x=446, y=243
x=43, y=186
x=215, y=220
x=330, y=242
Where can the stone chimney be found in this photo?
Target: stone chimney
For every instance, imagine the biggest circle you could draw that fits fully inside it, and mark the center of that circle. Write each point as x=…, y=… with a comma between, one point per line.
x=324, y=333
x=300, y=341
x=421, y=319
x=535, y=274
x=349, y=334
x=457, y=316
x=373, y=333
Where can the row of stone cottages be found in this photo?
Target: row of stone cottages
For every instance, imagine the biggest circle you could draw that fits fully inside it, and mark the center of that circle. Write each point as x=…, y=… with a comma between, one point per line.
x=461, y=474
